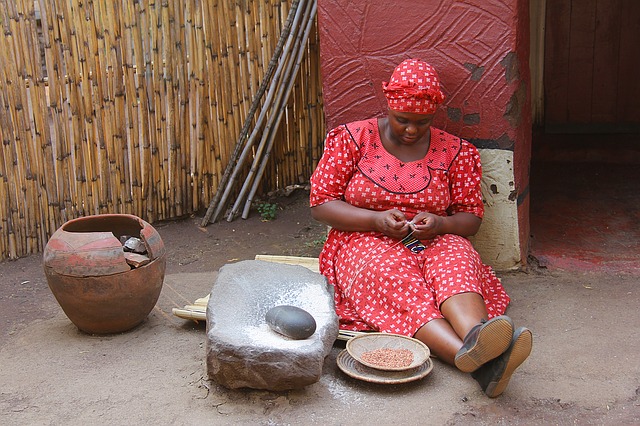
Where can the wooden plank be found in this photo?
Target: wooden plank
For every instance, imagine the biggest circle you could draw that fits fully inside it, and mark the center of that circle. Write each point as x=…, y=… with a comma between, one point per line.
x=202, y=301
x=537, y=13
x=606, y=52
x=190, y=315
x=345, y=335
x=628, y=82
x=311, y=263
x=581, y=49
x=556, y=61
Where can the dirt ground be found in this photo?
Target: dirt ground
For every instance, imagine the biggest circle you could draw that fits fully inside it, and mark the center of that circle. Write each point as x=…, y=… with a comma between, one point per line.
x=584, y=368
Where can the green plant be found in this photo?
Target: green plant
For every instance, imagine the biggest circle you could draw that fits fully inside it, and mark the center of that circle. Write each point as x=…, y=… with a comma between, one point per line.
x=316, y=243
x=268, y=211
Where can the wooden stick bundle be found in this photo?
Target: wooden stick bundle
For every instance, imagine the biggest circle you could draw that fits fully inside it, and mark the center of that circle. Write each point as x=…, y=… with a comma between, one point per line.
x=309, y=17
x=275, y=98
x=239, y=154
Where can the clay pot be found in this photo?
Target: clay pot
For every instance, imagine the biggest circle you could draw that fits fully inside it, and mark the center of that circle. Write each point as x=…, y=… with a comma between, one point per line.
x=87, y=272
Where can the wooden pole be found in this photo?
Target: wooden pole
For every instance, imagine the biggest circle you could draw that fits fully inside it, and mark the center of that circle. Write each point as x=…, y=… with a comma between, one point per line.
x=300, y=52
x=277, y=77
x=216, y=204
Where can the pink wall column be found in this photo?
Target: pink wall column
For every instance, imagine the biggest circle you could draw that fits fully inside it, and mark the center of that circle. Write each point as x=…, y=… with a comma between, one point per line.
x=481, y=52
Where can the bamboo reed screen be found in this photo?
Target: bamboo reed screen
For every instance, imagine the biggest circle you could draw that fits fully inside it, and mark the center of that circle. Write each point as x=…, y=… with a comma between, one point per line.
x=134, y=106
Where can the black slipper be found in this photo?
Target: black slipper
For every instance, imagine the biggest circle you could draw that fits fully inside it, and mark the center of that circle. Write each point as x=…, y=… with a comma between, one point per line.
x=484, y=342
x=495, y=375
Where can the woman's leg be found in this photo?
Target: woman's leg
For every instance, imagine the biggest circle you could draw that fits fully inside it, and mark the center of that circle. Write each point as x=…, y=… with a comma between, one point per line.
x=464, y=337
x=463, y=311
x=444, y=336
x=441, y=339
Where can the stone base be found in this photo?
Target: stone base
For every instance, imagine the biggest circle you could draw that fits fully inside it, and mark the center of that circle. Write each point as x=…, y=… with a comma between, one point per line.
x=242, y=351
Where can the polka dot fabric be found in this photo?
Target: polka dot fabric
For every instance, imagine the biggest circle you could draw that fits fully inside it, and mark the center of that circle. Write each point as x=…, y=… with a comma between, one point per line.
x=414, y=87
x=379, y=284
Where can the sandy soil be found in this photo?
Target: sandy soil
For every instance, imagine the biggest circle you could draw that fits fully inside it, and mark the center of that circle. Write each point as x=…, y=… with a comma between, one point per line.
x=585, y=367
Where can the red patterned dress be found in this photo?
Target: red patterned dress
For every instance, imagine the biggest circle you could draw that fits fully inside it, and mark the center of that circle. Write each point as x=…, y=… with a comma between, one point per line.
x=379, y=283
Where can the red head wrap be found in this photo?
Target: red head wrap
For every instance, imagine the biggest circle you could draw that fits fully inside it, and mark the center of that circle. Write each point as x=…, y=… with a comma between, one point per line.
x=414, y=87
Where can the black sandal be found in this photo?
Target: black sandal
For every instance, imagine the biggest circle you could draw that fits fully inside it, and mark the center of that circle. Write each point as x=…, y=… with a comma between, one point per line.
x=495, y=375
x=486, y=341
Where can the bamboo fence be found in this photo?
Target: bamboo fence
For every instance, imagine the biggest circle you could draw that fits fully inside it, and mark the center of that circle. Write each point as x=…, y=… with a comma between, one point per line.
x=137, y=106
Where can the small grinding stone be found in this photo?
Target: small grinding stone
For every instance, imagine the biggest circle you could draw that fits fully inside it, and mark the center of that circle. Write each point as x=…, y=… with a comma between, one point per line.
x=291, y=321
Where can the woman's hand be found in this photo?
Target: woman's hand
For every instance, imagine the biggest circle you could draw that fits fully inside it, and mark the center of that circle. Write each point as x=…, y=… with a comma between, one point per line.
x=427, y=225
x=392, y=223
x=345, y=217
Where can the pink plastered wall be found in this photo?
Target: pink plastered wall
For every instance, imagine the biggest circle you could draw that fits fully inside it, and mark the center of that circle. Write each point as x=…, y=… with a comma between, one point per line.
x=479, y=48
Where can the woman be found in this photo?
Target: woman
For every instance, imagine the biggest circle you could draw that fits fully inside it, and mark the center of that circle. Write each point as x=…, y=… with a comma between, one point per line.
x=401, y=197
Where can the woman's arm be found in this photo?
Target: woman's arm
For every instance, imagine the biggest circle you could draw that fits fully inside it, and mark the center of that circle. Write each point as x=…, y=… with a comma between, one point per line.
x=345, y=217
x=429, y=225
